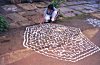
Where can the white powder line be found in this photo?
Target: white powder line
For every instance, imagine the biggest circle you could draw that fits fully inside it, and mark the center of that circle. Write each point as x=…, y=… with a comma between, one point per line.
x=58, y=41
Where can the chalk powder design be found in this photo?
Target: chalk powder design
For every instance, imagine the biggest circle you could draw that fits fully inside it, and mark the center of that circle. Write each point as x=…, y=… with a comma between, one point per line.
x=59, y=41
x=94, y=22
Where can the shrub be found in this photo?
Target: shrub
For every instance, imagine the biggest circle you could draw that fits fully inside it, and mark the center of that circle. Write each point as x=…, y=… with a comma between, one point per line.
x=56, y=3
x=3, y=24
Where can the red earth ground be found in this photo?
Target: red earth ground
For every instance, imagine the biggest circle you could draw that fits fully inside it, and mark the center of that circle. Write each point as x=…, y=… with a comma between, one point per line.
x=12, y=51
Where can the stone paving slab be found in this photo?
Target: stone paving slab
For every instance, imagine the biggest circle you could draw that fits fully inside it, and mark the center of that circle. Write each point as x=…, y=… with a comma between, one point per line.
x=84, y=8
x=76, y=7
x=70, y=3
x=41, y=10
x=63, y=5
x=66, y=12
x=11, y=8
x=40, y=4
x=93, y=5
x=94, y=9
x=31, y=13
x=32, y=16
x=16, y=17
x=27, y=13
x=93, y=1
x=77, y=3
x=77, y=12
x=62, y=9
x=83, y=2
x=17, y=20
x=97, y=15
x=81, y=7
x=27, y=6
x=89, y=9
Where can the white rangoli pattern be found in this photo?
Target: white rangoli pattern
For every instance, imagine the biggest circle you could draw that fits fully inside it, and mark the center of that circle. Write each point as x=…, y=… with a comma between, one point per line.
x=58, y=41
x=94, y=22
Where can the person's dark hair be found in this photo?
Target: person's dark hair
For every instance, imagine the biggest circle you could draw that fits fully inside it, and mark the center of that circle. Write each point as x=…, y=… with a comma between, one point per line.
x=51, y=7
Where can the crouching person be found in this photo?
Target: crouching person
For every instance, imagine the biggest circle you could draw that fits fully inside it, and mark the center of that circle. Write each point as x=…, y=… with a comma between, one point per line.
x=50, y=14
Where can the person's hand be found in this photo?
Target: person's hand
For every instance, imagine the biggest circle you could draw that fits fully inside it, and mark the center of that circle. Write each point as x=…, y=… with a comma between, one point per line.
x=53, y=19
x=42, y=19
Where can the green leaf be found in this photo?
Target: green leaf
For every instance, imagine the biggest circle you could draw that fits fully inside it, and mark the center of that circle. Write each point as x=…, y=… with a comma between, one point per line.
x=56, y=3
x=3, y=24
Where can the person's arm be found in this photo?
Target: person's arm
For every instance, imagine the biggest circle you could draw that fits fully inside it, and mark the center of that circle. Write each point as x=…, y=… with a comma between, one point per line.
x=55, y=9
x=45, y=12
x=54, y=14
